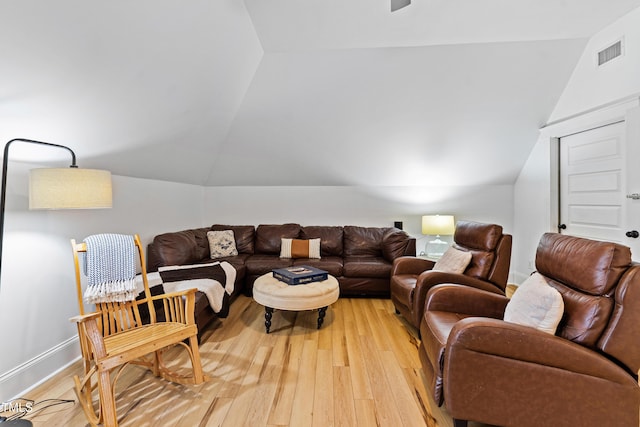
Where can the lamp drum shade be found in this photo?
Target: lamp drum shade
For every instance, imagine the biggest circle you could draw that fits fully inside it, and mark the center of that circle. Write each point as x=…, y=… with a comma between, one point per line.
x=438, y=225
x=69, y=188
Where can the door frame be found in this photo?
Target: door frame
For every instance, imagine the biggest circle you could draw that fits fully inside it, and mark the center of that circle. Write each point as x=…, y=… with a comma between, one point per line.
x=598, y=117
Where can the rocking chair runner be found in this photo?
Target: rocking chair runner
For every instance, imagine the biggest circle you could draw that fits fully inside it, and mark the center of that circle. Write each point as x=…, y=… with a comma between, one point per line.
x=119, y=333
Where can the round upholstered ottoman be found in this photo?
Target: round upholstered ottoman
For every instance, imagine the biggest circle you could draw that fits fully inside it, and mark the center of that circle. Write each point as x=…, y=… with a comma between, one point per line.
x=275, y=294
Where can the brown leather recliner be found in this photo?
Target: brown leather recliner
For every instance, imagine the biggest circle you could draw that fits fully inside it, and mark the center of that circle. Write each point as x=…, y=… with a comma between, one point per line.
x=491, y=371
x=411, y=278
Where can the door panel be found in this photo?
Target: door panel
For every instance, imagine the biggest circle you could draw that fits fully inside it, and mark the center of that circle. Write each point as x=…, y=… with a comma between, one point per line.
x=592, y=183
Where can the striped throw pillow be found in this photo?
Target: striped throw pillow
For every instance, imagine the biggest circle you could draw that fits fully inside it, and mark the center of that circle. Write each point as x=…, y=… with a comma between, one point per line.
x=298, y=248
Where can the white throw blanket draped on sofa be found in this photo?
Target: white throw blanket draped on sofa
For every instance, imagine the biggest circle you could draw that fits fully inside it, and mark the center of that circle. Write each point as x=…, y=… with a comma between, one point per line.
x=216, y=280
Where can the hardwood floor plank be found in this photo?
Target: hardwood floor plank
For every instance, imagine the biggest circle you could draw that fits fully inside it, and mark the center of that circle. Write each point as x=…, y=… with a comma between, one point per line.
x=357, y=366
x=338, y=344
x=282, y=402
x=360, y=369
x=302, y=410
x=323, y=414
x=407, y=405
x=256, y=393
x=377, y=333
x=344, y=411
x=404, y=344
x=366, y=413
x=325, y=333
x=387, y=413
x=243, y=399
x=426, y=405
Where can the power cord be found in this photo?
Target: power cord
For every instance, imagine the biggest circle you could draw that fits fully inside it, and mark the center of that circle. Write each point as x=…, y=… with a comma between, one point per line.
x=29, y=407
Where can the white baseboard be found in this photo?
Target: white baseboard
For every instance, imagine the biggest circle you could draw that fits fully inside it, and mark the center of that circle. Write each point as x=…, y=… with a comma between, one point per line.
x=20, y=380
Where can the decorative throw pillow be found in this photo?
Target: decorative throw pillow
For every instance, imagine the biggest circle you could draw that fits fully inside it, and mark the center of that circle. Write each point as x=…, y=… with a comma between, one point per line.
x=453, y=261
x=298, y=248
x=535, y=304
x=222, y=243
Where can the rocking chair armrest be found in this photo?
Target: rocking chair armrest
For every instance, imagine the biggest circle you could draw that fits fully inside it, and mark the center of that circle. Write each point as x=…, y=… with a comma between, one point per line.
x=88, y=324
x=81, y=318
x=184, y=293
x=179, y=306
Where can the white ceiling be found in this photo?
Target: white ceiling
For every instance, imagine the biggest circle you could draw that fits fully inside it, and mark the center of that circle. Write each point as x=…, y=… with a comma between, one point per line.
x=292, y=92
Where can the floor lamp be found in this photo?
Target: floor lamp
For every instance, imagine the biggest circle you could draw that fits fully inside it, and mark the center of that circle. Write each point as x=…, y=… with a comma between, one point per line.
x=56, y=188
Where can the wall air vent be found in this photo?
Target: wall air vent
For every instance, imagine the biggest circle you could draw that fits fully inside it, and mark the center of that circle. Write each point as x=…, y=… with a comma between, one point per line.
x=610, y=53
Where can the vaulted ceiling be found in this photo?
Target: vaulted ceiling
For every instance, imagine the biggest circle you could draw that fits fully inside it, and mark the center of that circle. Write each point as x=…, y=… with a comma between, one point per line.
x=293, y=92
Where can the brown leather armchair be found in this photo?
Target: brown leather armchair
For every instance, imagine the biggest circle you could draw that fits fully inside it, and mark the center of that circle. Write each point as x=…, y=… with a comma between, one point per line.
x=487, y=370
x=411, y=278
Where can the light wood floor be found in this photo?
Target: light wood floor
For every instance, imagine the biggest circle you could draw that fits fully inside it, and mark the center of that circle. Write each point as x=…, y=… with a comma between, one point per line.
x=360, y=369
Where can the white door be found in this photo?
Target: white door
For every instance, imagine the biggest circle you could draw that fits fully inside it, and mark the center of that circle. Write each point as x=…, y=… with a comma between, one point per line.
x=633, y=182
x=593, y=201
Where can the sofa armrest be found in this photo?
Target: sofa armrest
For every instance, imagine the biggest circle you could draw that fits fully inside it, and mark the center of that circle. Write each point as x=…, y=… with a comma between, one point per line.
x=504, y=340
x=465, y=300
x=429, y=279
x=410, y=265
x=490, y=362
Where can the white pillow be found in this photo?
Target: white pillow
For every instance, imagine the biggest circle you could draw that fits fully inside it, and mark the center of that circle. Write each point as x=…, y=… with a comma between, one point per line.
x=298, y=248
x=222, y=243
x=535, y=304
x=453, y=261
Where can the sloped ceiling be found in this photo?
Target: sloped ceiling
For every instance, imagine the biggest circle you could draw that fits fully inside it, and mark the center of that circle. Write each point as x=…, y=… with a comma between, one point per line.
x=290, y=92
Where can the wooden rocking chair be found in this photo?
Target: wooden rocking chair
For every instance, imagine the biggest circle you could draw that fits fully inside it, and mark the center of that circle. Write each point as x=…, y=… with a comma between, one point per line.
x=117, y=334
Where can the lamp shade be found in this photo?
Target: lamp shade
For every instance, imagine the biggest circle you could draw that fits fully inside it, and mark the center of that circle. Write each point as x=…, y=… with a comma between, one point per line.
x=438, y=225
x=69, y=188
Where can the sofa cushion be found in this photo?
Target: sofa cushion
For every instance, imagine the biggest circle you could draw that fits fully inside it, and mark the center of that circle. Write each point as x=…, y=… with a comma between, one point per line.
x=269, y=237
x=259, y=264
x=535, y=304
x=331, y=264
x=222, y=244
x=300, y=248
x=363, y=241
x=367, y=267
x=453, y=261
x=330, y=238
x=244, y=235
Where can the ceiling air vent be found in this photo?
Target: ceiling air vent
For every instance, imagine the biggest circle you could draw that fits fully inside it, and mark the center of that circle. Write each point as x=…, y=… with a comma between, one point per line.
x=610, y=53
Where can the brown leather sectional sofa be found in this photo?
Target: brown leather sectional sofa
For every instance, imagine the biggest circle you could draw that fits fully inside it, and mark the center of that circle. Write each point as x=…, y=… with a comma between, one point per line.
x=359, y=257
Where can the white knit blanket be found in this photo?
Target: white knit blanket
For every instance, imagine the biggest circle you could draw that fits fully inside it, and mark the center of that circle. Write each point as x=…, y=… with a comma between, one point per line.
x=110, y=266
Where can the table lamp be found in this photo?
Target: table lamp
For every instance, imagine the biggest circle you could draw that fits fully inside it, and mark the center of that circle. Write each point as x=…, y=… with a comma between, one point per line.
x=437, y=225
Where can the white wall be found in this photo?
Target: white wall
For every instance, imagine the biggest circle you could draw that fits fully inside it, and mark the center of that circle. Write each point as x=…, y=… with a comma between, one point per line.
x=591, y=86
x=592, y=97
x=365, y=206
x=532, y=209
x=37, y=294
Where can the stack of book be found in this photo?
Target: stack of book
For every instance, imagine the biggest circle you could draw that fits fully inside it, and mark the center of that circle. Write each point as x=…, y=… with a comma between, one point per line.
x=299, y=274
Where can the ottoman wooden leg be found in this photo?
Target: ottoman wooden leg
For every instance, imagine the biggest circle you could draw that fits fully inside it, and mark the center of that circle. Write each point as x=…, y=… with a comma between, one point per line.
x=268, y=312
x=321, y=313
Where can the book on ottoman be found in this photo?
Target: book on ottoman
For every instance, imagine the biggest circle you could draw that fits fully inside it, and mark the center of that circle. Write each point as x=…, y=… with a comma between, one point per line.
x=299, y=274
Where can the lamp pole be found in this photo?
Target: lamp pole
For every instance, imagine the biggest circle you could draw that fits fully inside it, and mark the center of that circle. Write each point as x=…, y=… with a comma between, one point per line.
x=3, y=196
